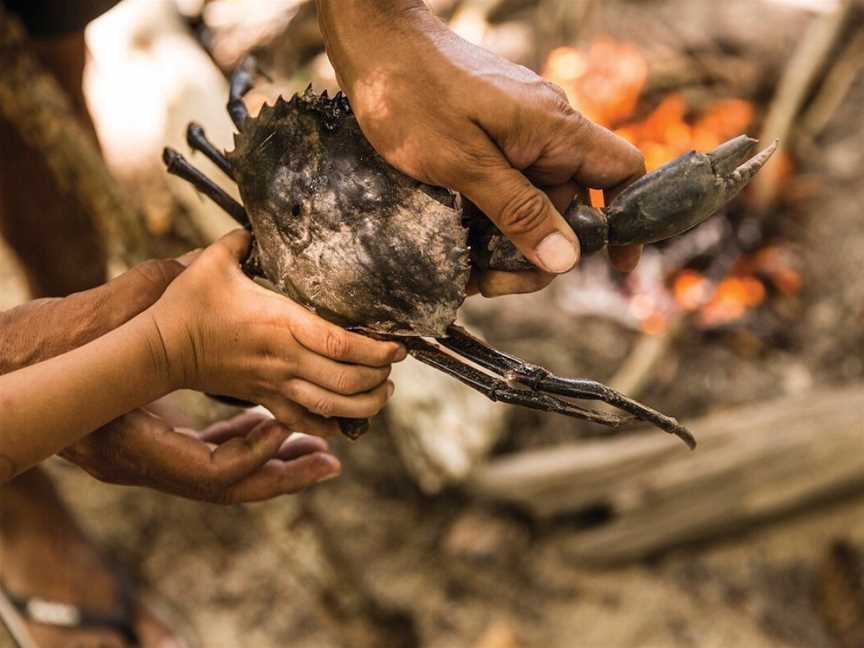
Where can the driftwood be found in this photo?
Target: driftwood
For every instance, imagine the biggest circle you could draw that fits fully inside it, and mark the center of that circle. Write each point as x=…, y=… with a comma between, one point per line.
x=33, y=102
x=837, y=84
x=795, y=85
x=751, y=463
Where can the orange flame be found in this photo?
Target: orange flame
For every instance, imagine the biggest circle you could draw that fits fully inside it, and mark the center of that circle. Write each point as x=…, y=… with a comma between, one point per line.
x=732, y=299
x=605, y=82
x=744, y=289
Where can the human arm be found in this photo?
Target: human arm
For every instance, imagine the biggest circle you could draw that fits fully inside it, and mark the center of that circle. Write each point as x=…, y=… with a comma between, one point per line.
x=49, y=405
x=449, y=113
x=242, y=459
x=45, y=328
x=213, y=330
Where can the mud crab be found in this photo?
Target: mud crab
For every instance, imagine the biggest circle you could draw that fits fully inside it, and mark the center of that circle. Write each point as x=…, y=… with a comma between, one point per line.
x=339, y=230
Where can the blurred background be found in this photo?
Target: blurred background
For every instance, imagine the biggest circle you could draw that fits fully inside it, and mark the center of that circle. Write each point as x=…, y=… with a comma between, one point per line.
x=462, y=523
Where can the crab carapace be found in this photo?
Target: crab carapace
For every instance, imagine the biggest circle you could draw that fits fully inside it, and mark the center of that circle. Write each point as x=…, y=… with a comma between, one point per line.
x=338, y=229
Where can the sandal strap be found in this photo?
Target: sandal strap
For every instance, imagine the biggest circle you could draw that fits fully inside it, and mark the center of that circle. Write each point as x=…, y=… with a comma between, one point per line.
x=65, y=615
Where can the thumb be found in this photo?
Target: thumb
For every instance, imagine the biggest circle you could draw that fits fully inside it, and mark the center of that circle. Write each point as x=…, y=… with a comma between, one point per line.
x=234, y=244
x=523, y=213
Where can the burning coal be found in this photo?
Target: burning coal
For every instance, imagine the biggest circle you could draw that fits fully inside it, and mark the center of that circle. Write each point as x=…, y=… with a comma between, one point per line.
x=606, y=82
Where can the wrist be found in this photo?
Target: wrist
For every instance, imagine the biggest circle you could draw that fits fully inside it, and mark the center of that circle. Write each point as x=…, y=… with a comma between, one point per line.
x=164, y=352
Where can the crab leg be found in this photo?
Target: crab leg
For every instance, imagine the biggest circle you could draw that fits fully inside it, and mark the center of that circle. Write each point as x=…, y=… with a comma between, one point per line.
x=497, y=389
x=177, y=165
x=197, y=140
x=540, y=381
x=238, y=86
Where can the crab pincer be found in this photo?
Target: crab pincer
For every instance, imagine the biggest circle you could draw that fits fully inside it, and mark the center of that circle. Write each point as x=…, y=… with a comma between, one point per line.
x=684, y=193
x=673, y=199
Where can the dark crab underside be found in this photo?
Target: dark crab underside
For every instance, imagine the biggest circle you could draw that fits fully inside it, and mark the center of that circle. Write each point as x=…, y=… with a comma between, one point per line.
x=340, y=230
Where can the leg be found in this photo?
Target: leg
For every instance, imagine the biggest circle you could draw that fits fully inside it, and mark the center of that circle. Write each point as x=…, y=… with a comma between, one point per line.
x=197, y=140
x=539, y=380
x=56, y=241
x=45, y=554
x=497, y=389
x=239, y=85
x=177, y=165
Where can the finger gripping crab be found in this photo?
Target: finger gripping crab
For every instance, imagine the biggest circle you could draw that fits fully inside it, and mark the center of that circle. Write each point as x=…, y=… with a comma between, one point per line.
x=339, y=230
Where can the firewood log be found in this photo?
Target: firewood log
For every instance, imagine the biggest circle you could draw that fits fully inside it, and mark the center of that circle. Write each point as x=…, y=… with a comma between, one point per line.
x=752, y=463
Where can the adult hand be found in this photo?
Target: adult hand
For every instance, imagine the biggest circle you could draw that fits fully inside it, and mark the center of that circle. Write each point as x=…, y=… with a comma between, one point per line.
x=452, y=114
x=245, y=459
x=216, y=330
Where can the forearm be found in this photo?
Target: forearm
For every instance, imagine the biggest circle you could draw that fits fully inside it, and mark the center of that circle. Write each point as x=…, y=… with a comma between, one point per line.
x=341, y=20
x=45, y=328
x=52, y=404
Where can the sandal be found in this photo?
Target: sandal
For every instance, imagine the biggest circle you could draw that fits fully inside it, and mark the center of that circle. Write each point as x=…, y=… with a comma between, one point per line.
x=17, y=611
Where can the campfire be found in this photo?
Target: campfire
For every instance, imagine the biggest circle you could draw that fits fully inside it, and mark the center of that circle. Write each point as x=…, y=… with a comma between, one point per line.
x=607, y=83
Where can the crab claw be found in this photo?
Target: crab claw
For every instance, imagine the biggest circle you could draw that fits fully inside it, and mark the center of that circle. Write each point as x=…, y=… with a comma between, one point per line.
x=683, y=193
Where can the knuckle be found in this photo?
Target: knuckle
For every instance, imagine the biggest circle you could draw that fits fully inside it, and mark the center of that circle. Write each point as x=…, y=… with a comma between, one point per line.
x=523, y=213
x=345, y=382
x=290, y=390
x=556, y=89
x=336, y=344
x=318, y=463
x=322, y=406
x=579, y=126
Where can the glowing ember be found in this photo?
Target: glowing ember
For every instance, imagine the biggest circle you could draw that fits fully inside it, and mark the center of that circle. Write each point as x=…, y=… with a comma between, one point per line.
x=743, y=290
x=604, y=82
x=691, y=290
x=776, y=262
x=665, y=133
x=732, y=299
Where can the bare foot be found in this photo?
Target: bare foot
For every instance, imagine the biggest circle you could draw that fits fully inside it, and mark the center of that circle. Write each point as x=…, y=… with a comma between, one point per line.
x=44, y=554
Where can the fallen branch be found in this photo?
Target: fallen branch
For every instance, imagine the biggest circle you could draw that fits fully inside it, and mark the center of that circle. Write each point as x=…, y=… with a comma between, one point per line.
x=835, y=88
x=795, y=85
x=33, y=102
x=752, y=463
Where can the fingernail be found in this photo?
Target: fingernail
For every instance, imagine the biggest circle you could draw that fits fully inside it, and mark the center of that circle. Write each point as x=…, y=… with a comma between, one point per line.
x=390, y=388
x=401, y=354
x=557, y=254
x=329, y=476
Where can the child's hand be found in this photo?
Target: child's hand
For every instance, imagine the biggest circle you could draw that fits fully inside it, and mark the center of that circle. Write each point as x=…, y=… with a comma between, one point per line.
x=218, y=331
